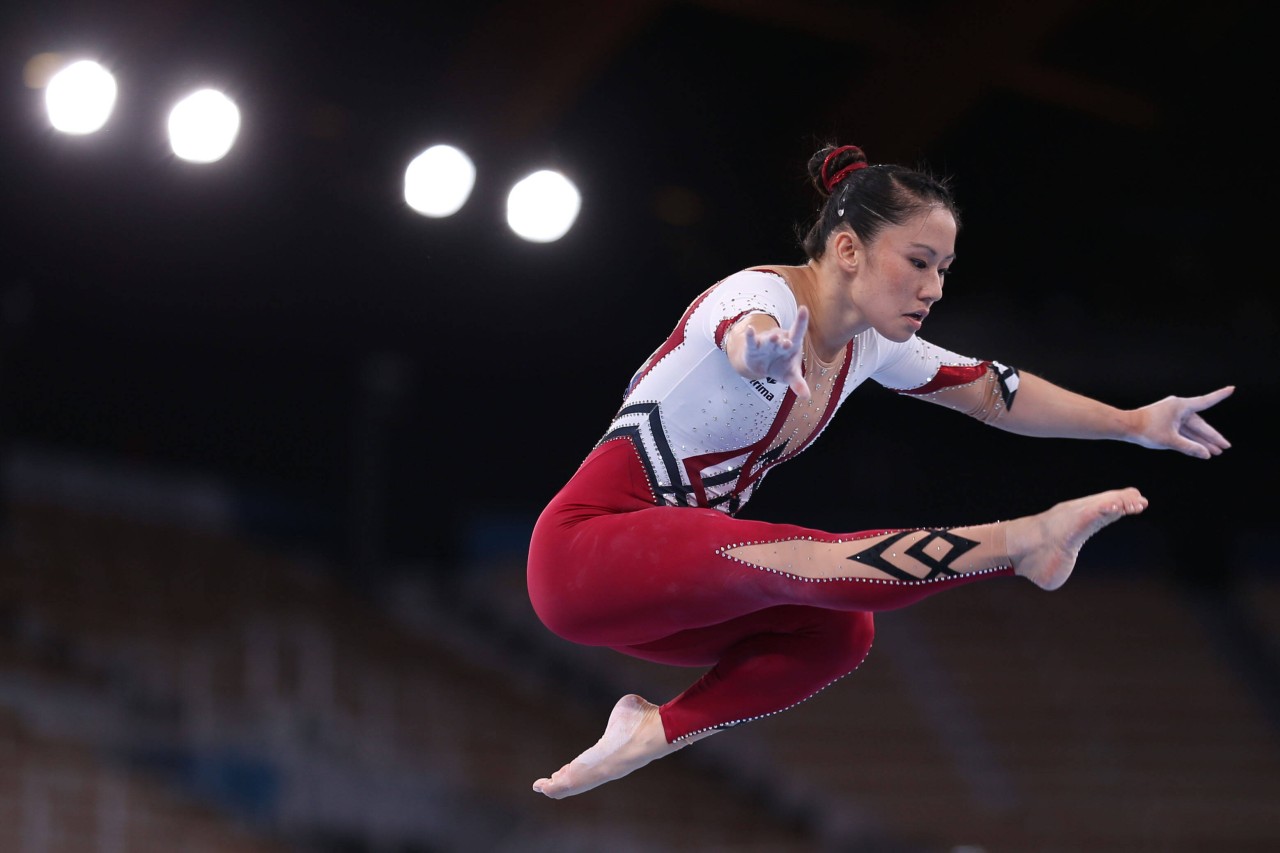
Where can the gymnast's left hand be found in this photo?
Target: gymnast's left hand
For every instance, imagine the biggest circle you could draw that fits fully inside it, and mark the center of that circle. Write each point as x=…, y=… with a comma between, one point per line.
x=1174, y=423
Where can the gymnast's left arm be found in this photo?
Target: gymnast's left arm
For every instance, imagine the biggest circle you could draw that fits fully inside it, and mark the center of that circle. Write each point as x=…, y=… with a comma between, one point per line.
x=1034, y=406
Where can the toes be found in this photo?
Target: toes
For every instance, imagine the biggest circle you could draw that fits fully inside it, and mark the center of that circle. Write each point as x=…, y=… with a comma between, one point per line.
x=547, y=786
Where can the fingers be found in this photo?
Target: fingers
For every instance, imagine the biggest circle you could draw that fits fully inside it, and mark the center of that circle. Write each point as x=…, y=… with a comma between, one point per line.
x=778, y=352
x=795, y=378
x=1192, y=448
x=1198, y=438
x=1213, y=398
x=776, y=338
x=1197, y=429
x=801, y=325
x=799, y=386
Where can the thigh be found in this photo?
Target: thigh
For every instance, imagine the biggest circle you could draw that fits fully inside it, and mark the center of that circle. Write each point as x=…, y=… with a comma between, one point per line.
x=620, y=578
x=607, y=567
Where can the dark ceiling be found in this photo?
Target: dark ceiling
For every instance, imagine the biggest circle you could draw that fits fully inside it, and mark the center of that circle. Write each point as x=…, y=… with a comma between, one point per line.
x=282, y=319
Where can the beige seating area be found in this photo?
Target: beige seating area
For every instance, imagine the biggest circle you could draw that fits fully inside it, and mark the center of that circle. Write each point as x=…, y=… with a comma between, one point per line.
x=377, y=729
x=1100, y=717
x=58, y=795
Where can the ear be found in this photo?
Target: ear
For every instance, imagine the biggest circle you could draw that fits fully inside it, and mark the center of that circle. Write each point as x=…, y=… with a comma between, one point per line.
x=846, y=248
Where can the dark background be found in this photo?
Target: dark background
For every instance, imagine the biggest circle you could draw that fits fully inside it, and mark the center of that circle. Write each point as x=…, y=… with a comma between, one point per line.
x=386, y=385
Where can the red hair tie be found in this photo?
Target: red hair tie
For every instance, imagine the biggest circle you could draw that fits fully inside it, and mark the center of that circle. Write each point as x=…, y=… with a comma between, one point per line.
x=830, y=182
x=834, y=180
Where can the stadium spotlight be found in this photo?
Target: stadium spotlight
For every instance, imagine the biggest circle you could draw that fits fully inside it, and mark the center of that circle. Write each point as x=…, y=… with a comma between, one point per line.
x=542, y=207
x=80, y=97
x=203, y=126
x=438, y=181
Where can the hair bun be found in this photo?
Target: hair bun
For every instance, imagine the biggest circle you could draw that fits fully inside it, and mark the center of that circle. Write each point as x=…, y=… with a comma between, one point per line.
x=836, y=164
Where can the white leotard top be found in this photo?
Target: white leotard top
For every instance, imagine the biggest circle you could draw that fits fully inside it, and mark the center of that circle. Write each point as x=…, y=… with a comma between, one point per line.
x=707, y=436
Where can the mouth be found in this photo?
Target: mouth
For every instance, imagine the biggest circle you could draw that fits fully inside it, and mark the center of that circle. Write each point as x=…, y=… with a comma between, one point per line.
x=918, y=316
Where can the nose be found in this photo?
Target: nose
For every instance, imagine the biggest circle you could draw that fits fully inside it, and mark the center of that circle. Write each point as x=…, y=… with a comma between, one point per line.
x=932, y=290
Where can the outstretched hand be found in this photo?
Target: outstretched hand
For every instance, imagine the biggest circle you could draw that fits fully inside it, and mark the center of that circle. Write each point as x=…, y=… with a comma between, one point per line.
x=1174, y=423
x=779, y=353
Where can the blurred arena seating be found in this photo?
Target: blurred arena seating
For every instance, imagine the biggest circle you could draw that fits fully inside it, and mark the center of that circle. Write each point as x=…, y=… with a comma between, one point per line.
x=293, y=711
x=175, y=686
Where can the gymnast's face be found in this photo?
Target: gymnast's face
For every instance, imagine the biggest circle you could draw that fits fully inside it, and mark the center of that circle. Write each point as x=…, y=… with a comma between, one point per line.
x=901, y=274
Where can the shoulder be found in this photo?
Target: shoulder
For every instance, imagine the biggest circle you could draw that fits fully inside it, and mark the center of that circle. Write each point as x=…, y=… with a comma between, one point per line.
x=749, y=291
x=767, y=282
x=777, y=272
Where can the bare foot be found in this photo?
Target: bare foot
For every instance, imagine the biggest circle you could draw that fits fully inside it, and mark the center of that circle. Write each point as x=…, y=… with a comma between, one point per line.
x=1044, y=547
x=632, y=738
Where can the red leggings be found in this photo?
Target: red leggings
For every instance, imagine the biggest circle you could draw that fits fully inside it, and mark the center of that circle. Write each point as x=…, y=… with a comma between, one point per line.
x=609, y=568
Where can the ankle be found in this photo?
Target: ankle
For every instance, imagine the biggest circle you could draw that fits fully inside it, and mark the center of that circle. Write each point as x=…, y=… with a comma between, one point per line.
x=1020, y=537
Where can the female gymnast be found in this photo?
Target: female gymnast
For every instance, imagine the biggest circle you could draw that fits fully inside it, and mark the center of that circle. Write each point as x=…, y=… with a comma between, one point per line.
x=641, y=550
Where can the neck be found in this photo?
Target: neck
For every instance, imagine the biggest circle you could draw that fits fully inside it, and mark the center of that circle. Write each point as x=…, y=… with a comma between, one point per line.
x=833, y=318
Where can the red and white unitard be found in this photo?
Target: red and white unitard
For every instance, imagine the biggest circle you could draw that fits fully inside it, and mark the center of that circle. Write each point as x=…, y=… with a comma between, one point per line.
x=641, y=550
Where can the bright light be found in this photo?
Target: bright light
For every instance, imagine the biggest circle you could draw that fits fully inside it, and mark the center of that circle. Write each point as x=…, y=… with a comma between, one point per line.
x=80, y=97
x=203, y=126
x=543, y=206
x=438, y=181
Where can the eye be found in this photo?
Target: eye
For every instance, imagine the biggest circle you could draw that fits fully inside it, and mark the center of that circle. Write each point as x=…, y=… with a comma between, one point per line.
x=919, y=264
x=944, y=271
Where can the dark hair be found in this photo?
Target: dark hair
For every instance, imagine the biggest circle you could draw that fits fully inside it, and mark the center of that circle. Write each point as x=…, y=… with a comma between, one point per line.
x=868, y=197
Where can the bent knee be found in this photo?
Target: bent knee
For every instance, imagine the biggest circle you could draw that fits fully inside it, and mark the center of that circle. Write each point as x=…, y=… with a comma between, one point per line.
x=859, y=633
x=843, y=639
